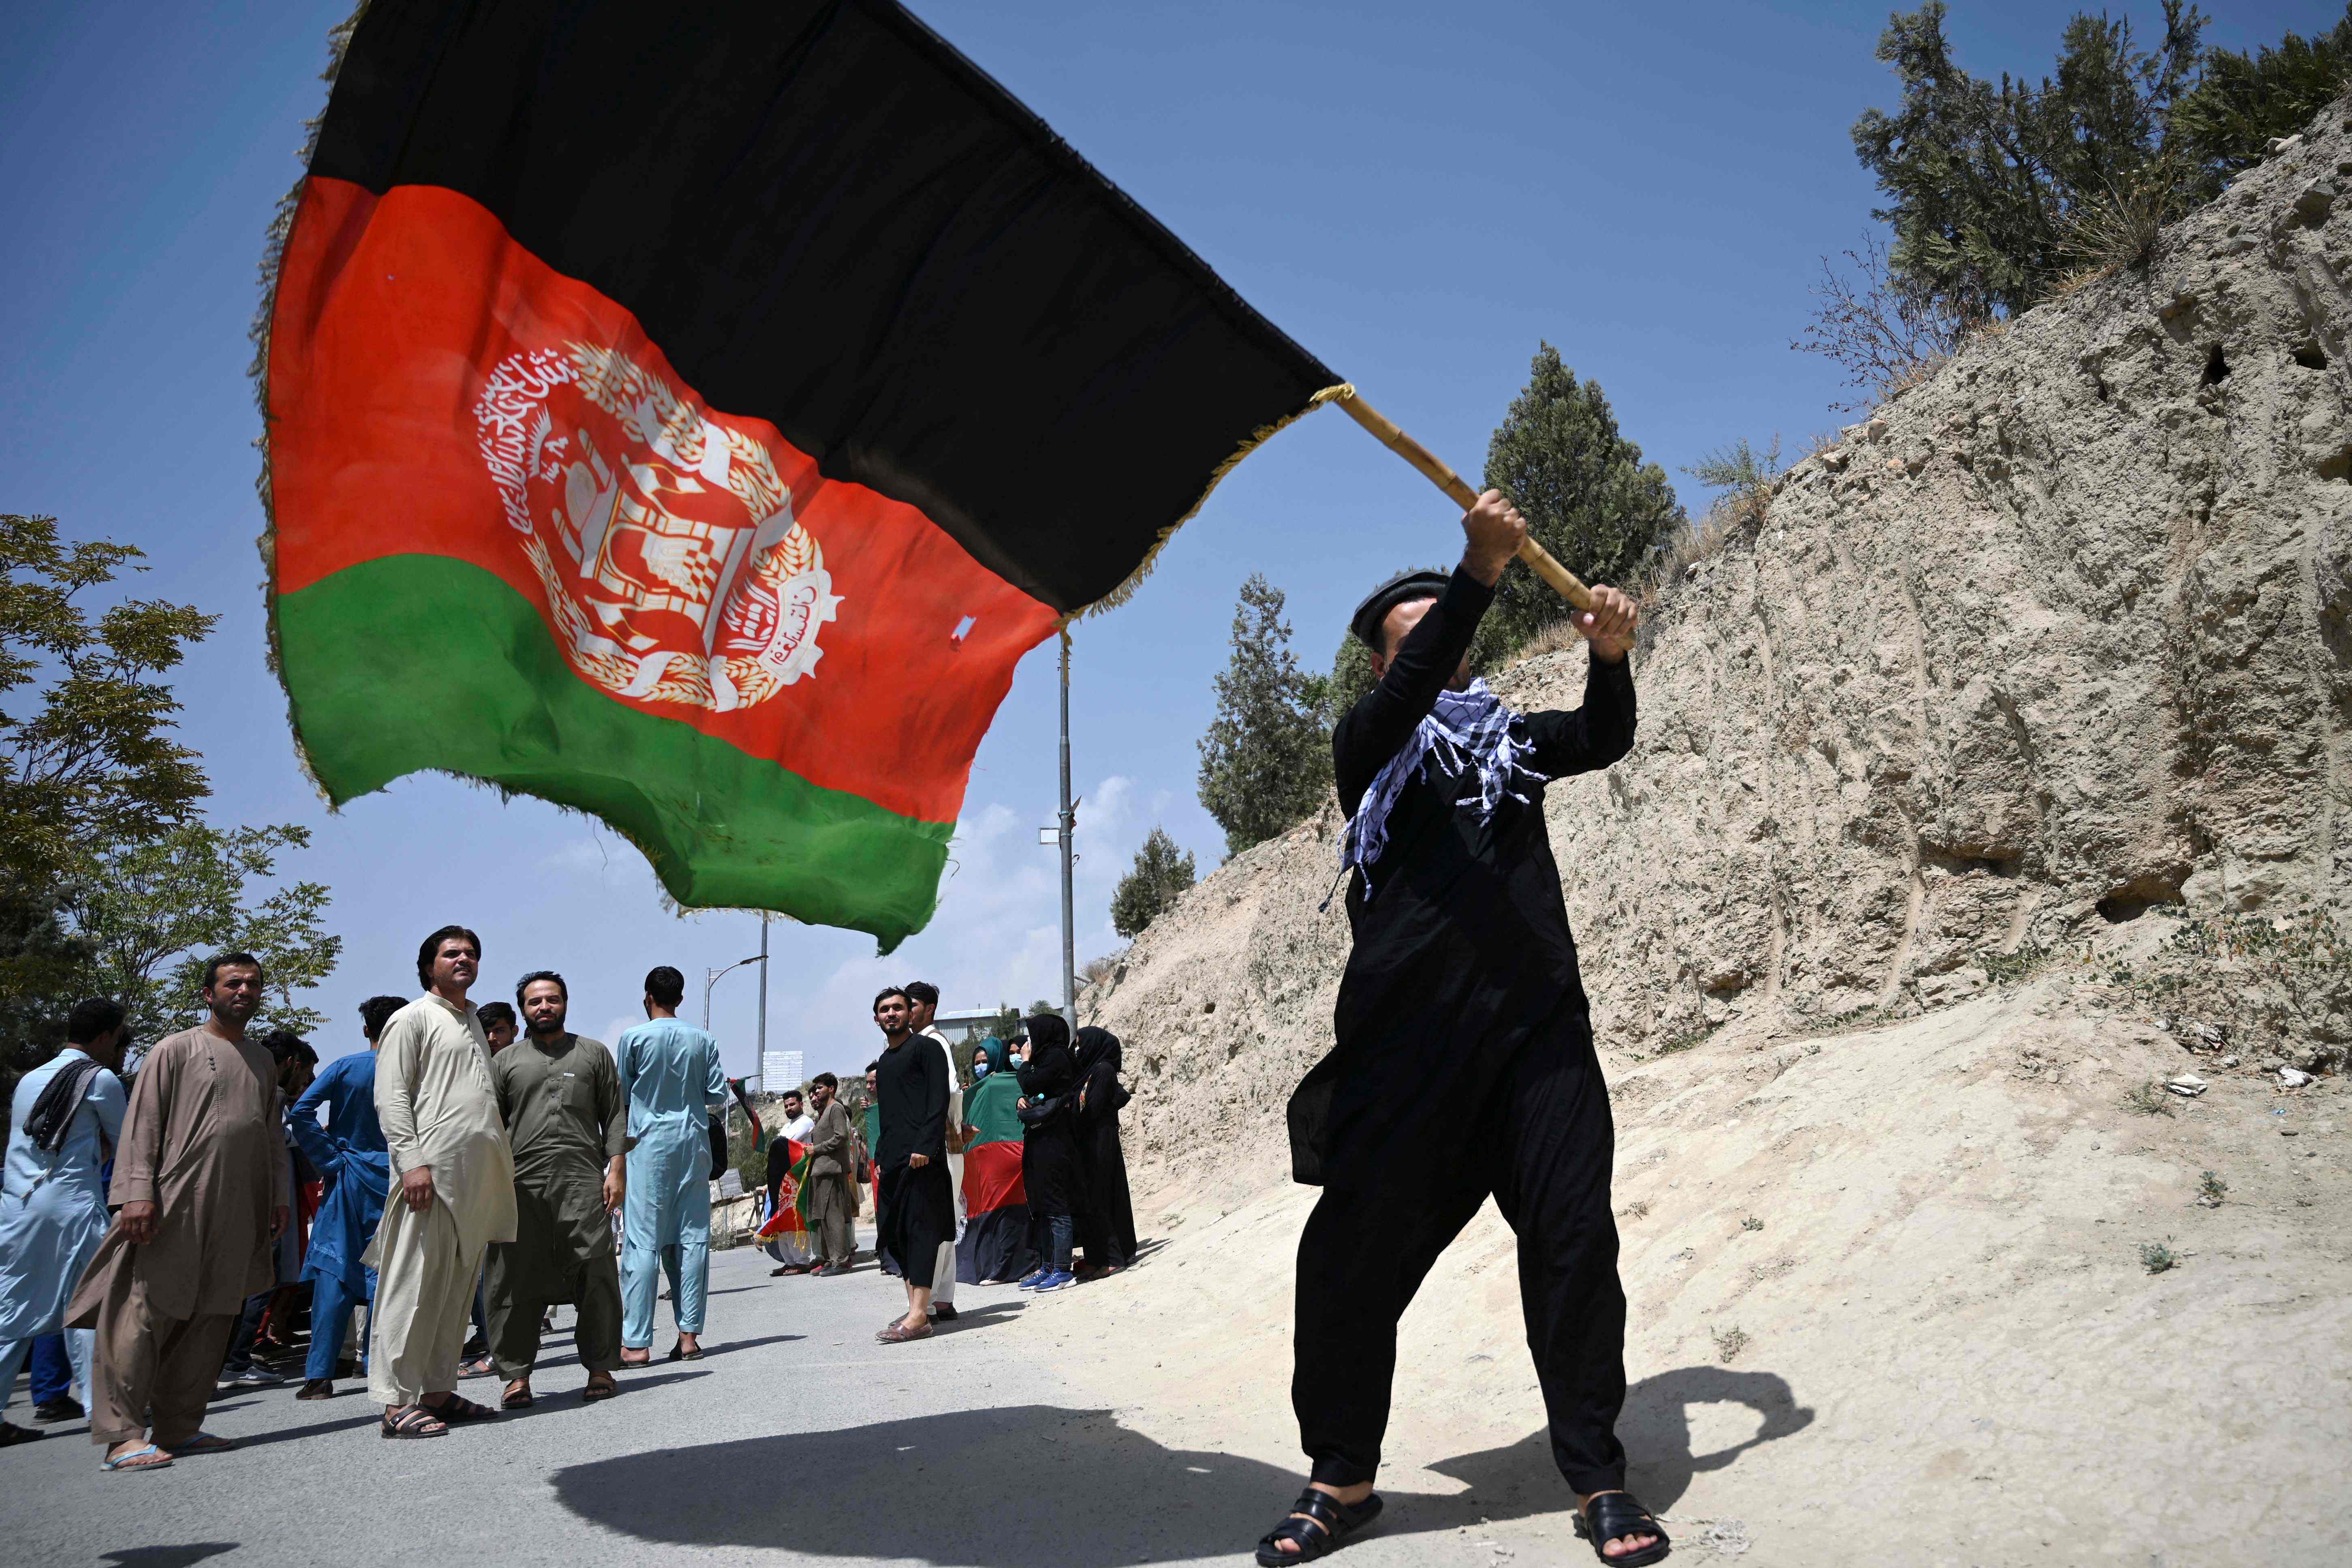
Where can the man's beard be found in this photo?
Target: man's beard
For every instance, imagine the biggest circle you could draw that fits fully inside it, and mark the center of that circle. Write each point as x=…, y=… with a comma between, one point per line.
x=550, y=1032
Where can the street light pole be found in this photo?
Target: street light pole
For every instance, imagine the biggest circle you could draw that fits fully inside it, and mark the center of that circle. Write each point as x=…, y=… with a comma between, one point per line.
x=711, y=977
x=763, y=1074
x=1069, y=820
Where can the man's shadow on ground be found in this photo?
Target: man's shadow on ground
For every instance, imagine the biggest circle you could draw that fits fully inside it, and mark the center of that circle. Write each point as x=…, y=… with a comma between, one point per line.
x=1120, y=1497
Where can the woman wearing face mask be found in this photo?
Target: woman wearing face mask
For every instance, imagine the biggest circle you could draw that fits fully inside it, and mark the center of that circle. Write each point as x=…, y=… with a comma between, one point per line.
x=1048, y=1074
x=995, y=1246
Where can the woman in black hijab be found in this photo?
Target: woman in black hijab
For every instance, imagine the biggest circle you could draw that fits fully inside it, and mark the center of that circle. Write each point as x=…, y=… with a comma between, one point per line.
x=1048, y=1108
x=1106, y=1223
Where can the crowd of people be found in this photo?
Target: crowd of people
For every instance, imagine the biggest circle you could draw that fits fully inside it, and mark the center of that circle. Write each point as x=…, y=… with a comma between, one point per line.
x=473, y=1168
x=168, y=1233
x=1014, y=1175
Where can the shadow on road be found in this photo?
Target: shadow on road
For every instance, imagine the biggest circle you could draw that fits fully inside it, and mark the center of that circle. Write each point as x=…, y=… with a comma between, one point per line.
x=168, y=1556
x=725, y=1346
x=1142, y=1502
x=1655, y=1427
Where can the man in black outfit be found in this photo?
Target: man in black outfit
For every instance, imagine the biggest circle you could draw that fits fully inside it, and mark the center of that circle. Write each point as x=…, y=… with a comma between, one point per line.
x=910, y=1088
x=1460, y=1016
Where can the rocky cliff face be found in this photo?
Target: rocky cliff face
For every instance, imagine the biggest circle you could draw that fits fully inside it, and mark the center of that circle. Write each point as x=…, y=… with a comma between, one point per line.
x=2058, y=636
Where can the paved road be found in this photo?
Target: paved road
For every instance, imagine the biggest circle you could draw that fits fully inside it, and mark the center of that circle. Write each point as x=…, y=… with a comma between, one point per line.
x=798, y=1439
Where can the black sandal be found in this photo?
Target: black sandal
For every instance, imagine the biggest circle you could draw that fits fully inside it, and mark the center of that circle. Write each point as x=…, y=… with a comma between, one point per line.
x=456, y=1411
x=413, y=1421
x=1615, y=1515
x=1328, y=1524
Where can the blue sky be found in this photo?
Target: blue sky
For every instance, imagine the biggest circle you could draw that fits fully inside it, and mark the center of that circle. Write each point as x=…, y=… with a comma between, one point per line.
x=1419, y=193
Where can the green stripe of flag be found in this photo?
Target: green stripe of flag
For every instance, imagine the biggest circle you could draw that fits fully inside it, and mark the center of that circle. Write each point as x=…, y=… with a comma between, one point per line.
x=415, y=662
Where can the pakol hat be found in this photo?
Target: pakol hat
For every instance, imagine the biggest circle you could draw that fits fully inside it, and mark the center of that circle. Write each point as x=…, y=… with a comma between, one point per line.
x=1402, y=588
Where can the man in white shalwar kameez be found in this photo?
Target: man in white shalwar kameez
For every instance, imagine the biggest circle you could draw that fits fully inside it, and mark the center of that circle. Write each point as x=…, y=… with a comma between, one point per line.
x=454, y=1192
x=794, y=1253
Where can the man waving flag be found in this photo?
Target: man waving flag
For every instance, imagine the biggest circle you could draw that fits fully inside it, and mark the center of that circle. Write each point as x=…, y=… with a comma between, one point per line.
x=690, y=414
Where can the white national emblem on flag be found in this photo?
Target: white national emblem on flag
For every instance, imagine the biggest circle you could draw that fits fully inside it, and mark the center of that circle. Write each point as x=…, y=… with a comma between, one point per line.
x=663, y=536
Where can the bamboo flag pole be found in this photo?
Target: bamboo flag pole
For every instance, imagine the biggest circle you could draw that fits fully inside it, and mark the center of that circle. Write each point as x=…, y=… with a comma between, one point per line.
x=1570, y=587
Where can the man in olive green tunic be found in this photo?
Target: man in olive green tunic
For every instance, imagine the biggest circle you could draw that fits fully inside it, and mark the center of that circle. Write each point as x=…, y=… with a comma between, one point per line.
x=559, y=1094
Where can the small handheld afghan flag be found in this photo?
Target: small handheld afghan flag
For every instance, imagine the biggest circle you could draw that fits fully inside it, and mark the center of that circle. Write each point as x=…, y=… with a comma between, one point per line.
x=690, y=414
x=791, y=1217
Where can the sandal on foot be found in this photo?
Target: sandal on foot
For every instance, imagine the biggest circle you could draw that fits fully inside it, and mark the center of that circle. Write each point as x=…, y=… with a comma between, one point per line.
x=413, y=1421
x=899, y=1334
x=1615, y=1515
x=149, y=1457
x=12, y=1436
x=454, y=1411
x=517, y=1398
x=596, y=1390
x=204, y=1443
x=480, y=1366
x=1327, y=1525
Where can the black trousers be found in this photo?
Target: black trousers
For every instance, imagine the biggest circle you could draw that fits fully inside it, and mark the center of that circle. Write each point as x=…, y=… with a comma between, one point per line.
x=1403, y=1174
x=918, y=1214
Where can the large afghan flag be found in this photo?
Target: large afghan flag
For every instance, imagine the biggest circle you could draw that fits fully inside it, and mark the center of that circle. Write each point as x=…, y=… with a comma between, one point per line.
x=689, y=412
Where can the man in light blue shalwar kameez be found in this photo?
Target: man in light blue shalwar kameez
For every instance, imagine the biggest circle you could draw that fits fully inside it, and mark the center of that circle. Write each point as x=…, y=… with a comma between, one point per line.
x=52, y=1202
x=349, y=1153
x=671, y=1077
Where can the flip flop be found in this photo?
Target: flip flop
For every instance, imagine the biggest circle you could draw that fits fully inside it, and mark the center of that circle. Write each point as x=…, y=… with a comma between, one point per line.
x=204, y=1443
x=149, y=1457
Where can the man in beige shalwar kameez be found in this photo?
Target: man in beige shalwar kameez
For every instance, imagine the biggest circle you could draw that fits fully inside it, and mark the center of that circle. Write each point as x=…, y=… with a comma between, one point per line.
x=455, y=1192
x=200, y=1177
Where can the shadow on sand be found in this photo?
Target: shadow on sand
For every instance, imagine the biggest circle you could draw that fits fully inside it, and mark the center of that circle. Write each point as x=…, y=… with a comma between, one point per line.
x=1144, y=1503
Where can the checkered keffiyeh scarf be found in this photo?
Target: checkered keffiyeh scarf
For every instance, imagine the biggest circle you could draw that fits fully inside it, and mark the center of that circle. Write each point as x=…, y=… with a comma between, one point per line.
x=1466, y=729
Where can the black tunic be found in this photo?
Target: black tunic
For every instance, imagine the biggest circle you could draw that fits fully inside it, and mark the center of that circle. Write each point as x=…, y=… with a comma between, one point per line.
x=1464, y=1067
x=1049, y=1158
x=1107, y=1229
x=917, y=1206
x=1465, y=937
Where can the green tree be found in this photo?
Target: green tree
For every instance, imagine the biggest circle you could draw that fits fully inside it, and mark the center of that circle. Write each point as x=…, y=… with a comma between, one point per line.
x=1988, y=183
x=1266, y=759
x=1585, y=490
x=1350, y=678
x=2226, y=121
x=93, y=761
x=153, y=911
x=87, y=758
x=1161, y=876
x=1006, y=1023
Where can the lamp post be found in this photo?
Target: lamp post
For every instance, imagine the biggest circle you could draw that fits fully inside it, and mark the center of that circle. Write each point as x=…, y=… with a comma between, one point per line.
x=1069, y=821
x=711, y=977
x=763, y=1074
x=1060, y=834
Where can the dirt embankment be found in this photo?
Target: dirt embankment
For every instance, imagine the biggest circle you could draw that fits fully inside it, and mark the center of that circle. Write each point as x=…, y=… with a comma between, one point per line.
x=1996, y=776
